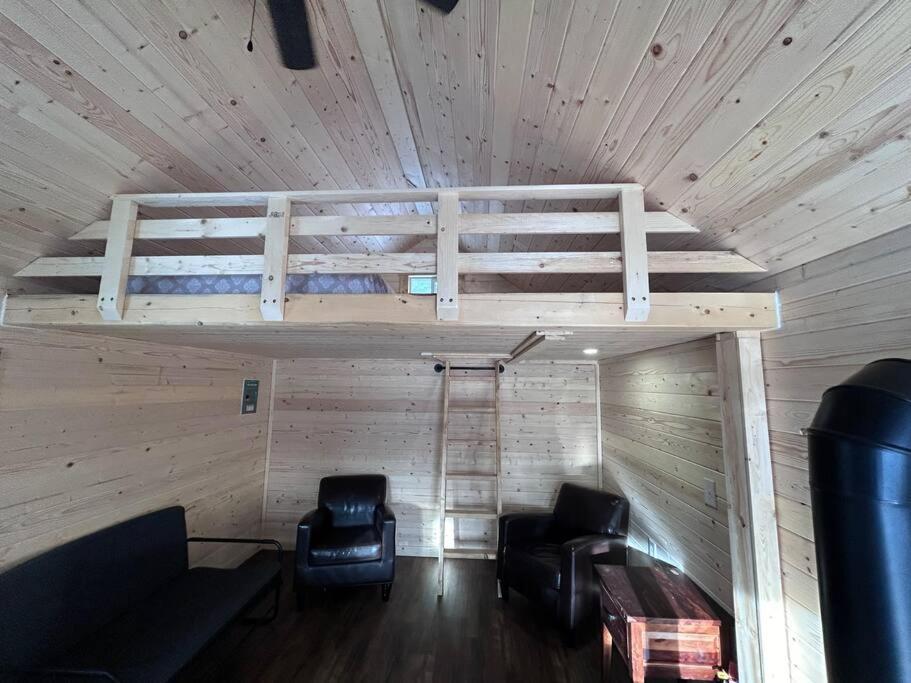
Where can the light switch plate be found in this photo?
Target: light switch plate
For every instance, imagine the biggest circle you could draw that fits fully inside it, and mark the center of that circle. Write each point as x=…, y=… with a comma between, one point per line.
x=709, y=494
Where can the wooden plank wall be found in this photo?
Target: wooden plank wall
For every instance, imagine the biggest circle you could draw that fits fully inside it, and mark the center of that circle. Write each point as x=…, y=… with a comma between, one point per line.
x=661, y=436
x=839, y=313
x=96, y=430
x=335, y=417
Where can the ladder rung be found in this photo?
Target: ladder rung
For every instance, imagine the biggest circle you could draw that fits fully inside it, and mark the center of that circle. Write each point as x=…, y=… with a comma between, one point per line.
x=471, y=408
x=471, y=513
x=471, y=440
x=469, y=378
x=470, y=553
x=471, y=475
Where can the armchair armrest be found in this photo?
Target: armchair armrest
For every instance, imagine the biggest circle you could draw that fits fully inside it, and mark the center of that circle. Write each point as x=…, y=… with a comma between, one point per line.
x=384, y=520
x=518, y=526
x=252, y=541
x=384, y=517
x=577, y=580
x=309, y=523
x=576, y=557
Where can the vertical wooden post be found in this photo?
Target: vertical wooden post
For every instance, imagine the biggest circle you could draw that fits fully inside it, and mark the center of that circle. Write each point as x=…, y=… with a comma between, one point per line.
x=762, y=646
x=117, y=255
x=275, y=258
x=448, y=256
x=634, y=251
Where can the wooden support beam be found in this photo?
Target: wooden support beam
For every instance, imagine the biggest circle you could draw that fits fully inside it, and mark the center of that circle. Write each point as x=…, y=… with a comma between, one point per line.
x=275, y=258
x=636, y=296
x=712, y=311
x=762, y=646
x=448, y=256
x=401, y=263
x=117, y=253
x=533, y=343
x=530, y=342
x=594, y=222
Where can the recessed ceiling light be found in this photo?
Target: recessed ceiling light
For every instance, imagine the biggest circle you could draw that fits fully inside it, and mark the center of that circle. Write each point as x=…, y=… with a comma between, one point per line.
x=589, y=352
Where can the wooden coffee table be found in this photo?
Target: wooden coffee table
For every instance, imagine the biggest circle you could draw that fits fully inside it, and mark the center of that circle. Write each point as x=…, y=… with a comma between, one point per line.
x=660, y=623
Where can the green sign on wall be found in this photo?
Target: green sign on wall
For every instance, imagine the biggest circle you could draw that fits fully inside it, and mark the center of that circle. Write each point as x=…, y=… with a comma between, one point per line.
x=251, y=395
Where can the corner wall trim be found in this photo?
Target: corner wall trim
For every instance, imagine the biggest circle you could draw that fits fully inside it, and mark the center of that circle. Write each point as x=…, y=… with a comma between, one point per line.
x=262, y=519
x=759, y=616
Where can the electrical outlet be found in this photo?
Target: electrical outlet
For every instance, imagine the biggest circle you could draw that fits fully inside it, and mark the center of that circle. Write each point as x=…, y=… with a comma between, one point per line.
x=709, y=495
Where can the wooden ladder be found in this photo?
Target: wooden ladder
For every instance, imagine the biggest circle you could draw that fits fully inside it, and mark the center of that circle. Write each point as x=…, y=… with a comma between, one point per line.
x=451, y=512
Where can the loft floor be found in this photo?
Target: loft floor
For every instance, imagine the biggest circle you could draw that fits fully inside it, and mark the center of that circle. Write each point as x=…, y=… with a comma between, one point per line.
x=351, y=635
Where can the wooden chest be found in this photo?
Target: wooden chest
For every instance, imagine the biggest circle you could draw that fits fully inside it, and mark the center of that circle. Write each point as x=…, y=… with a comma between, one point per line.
x=660, y=623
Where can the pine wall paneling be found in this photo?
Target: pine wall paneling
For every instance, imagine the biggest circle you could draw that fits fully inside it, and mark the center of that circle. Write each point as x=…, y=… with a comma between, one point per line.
x=335, y=417
x=839, y=313
x=661, y=437
x=95, y=430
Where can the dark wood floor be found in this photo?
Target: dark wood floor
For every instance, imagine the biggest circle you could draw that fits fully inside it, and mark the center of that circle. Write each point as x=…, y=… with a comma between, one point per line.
x=351, y=635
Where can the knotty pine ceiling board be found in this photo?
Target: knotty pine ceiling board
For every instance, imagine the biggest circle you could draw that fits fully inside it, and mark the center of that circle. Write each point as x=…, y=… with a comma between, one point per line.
x=293, y=340
x=778, y=127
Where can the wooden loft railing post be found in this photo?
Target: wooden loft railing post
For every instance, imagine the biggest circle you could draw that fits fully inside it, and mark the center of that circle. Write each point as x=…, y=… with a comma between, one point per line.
x=634, y=252
x=117, y=255
x=448, y=256
x=275, y=258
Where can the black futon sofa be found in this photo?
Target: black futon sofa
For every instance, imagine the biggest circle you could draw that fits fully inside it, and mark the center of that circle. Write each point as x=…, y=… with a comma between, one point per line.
x=122, y=604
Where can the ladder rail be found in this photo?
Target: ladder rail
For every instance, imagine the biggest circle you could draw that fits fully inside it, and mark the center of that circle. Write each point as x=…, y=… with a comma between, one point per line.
x=496, y=399
x=443, y=458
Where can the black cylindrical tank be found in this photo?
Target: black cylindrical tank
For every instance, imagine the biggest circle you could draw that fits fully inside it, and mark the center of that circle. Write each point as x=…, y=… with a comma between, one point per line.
x=860, y=476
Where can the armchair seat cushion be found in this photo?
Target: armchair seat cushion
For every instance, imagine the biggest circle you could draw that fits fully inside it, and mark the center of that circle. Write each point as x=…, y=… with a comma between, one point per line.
x=538, y=562
x=161, y=634
x=346, y=545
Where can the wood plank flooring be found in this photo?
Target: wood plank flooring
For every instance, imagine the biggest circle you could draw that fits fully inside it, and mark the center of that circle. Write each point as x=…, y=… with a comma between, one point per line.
x=351, y=635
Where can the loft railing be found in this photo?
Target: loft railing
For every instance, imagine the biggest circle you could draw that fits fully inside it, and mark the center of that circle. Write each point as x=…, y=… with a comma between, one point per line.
x=277, y=226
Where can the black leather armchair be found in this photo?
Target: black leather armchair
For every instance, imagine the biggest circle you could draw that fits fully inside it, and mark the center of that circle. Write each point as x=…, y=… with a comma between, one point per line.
x=548, y=556
x=349, y=539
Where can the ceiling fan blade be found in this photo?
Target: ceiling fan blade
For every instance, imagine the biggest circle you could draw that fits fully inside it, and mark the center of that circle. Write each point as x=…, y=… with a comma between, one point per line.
x=445, y=6
x=289, y=17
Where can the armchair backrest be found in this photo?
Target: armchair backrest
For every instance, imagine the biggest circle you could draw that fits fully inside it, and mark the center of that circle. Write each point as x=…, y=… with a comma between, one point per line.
x=352, y=499
x=583, y=509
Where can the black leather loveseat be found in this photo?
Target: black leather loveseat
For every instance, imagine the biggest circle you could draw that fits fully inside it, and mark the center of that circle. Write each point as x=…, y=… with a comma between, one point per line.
x=122, y=604
x=548, y=557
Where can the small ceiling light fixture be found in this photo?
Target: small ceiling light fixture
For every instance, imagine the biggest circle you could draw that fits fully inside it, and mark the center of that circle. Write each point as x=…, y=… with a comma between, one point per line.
x=589, y=352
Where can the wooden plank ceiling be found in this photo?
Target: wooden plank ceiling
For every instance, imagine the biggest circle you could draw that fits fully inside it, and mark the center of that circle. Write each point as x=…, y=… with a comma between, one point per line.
x=291, y=340
x=778, y=127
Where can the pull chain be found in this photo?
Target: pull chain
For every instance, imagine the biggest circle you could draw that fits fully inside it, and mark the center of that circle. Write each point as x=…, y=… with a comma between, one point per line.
x=252, y=18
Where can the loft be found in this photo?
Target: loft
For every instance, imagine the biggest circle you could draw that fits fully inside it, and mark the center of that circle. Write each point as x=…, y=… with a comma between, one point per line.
x=323, y=318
